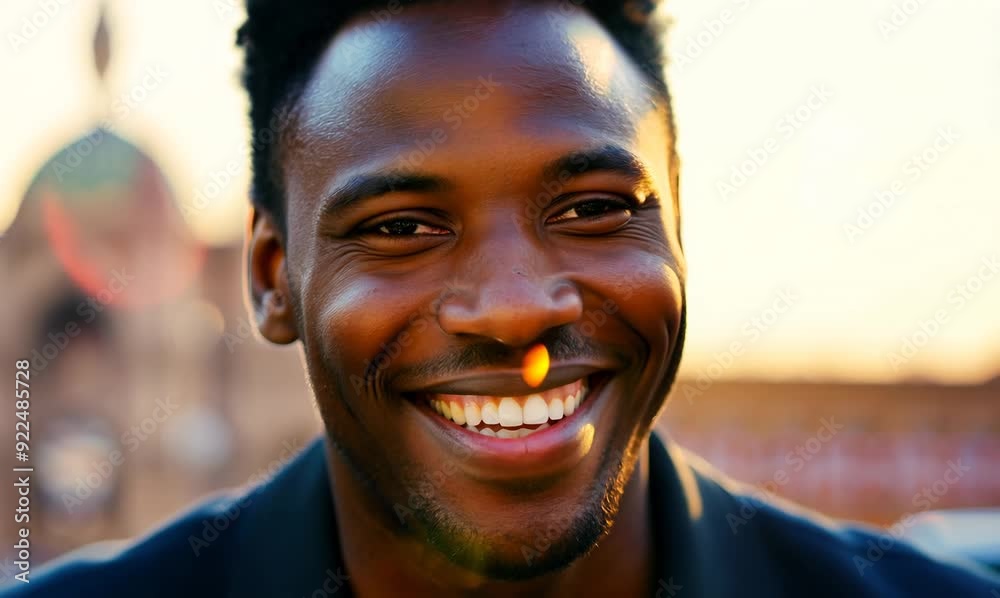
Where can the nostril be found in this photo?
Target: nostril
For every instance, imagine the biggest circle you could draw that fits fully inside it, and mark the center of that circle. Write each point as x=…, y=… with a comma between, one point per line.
x=515, y=312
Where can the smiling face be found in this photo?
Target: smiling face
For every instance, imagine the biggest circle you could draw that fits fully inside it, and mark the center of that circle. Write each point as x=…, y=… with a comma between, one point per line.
x=463, y=183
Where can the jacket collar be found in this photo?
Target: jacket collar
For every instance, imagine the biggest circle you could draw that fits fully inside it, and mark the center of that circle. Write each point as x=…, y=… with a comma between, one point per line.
x=685, y=535
x=287, y=544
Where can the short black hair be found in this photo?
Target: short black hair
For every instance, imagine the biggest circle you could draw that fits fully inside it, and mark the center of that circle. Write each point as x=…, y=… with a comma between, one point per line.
x=283, y=41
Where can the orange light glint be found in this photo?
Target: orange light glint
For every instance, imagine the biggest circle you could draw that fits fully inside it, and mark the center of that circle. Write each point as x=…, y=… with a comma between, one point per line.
x=536, y=365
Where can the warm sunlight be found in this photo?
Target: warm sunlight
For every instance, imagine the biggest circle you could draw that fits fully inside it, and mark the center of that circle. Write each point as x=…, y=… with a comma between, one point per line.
x=840, y=216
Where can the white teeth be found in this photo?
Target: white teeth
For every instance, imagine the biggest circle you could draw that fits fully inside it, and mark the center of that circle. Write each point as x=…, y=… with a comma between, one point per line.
x=457, y=413
x=510, y=413
x=570, y=406
x=472, y=416
x=507, y=433
x=538, y=429
x=489, y=413
x=555, y=409
x=535, y=410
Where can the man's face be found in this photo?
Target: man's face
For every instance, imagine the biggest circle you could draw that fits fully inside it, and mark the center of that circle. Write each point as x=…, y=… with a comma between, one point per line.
x=464, y=182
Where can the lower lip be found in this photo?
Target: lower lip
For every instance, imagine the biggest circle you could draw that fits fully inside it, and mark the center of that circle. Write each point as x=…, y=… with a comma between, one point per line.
x=554, y=449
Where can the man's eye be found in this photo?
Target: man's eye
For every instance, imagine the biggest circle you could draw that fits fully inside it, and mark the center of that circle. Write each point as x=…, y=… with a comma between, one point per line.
x=405, y=227
x=595, y=209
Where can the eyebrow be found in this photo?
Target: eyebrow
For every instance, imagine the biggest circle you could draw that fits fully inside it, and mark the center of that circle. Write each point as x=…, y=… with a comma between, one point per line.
x=369, y=186
x=606, y=158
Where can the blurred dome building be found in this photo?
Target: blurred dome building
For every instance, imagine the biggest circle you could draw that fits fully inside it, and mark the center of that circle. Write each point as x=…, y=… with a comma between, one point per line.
x=148, y=387
x=105, y=275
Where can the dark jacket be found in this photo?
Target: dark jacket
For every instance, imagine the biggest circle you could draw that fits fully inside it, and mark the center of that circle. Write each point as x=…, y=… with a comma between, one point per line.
x=713, y=539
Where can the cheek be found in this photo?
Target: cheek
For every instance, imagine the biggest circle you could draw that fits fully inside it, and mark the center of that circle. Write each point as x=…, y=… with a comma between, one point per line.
x=652, y=303
x=658, y=314
x=362, y=322
x=644, y=291
x=656, y=311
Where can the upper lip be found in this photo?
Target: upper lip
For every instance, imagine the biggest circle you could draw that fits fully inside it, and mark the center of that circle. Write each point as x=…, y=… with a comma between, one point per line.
x=506, y=382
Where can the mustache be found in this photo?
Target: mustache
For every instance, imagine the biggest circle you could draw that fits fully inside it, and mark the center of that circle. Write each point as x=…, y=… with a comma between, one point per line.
x=563, y=344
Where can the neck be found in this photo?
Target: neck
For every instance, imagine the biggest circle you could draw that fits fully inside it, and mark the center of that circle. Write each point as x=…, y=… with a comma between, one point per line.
x=380, y=562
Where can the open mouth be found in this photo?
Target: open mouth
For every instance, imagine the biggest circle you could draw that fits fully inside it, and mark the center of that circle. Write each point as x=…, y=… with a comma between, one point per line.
x=512, y=416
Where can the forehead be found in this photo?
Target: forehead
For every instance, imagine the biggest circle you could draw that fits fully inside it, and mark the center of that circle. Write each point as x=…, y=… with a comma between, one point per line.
x=467, y=76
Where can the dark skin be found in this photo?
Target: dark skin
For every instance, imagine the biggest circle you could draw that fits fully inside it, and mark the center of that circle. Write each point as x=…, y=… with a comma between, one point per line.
x=547, y=200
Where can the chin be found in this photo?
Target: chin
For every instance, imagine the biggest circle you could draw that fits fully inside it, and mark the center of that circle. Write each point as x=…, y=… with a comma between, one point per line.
x=518, y=545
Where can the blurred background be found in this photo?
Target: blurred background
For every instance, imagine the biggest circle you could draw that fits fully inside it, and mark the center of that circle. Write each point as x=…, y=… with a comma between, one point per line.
x=841, y=224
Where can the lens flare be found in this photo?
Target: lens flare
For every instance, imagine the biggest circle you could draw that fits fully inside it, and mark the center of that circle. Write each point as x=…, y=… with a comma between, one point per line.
x=536, y=365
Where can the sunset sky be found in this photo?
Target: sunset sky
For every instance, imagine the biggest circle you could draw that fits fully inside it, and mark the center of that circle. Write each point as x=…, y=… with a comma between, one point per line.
x=838, y=187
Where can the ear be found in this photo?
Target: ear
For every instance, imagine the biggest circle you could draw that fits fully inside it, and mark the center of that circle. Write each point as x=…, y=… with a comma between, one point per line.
x=268, y=280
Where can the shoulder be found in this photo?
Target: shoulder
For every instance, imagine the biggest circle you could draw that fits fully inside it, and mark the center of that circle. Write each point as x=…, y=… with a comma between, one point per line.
x=229, y=544
x=191, y=547
x=810, y=554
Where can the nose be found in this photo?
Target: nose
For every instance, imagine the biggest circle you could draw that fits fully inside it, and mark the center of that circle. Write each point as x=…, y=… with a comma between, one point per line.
x=512, y=304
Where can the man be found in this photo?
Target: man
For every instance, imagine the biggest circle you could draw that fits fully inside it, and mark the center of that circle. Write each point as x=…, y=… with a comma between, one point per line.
x=442, y=189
